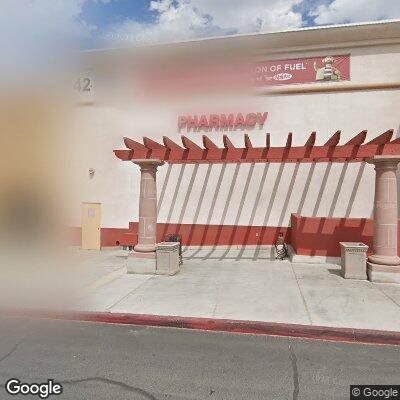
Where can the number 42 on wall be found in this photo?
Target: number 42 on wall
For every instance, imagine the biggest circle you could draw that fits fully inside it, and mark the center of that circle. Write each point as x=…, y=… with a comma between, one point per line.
x=83, y=85
x=83, y=88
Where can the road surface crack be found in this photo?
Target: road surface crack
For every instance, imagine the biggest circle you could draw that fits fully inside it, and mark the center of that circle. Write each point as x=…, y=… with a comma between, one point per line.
x=293, y=360
x=13, y=349
x=108, y=309
x=122, y=385
x=301, y=294
x=386, y=295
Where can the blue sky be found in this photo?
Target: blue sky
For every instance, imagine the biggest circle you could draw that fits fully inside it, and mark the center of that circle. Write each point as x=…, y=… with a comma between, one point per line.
x=107, y=23
x=116, y=21
x=110, y=13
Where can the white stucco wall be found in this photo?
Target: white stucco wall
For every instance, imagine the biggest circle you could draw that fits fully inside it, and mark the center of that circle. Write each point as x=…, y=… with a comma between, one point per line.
x=243, y=194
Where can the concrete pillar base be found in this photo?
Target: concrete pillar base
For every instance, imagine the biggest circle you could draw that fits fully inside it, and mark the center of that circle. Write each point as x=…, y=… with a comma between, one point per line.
x=141, y=263
x=384, y=260
x=383, y=273
x=145, y=248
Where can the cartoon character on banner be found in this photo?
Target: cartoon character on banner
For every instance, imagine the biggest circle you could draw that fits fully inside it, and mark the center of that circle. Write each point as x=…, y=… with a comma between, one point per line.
x=327, y=72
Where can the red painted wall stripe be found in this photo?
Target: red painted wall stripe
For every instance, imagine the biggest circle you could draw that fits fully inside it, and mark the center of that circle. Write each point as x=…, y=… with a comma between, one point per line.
x=193, y=235
x=321, y=236
x=314, y=236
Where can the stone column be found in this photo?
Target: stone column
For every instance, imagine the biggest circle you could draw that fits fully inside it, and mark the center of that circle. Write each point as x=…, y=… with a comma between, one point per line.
x=384, y=264
x=147, y=205
x=143, y=259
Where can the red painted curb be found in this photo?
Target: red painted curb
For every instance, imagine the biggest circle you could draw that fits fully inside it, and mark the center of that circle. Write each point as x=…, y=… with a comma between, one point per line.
x=226, y=325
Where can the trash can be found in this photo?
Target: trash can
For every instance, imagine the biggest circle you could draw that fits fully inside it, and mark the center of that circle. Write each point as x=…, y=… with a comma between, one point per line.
x=167, y=258
x=354, y=260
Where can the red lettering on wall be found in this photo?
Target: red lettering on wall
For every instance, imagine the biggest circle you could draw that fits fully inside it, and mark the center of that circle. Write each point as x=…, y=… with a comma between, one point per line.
x=261, y=118
x=252, y=119
x=203, y=122
x=239, y=121
x=192, y=122
x=182, y=122
x=226, y=121
x=222, y=121
x=214, y=121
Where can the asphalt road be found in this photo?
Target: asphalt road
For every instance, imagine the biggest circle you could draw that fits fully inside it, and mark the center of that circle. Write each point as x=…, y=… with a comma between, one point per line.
x=99, y=361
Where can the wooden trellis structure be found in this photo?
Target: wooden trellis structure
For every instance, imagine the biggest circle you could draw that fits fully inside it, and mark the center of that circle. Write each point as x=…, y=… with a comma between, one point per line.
x=189, y=152
x=382, y=151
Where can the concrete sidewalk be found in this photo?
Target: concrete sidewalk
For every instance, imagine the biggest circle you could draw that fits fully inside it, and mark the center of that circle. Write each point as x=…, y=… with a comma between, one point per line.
x=228, y=285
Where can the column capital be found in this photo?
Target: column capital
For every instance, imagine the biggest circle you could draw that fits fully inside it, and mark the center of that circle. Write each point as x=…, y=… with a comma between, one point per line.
x=148, y=163
x=390, y=161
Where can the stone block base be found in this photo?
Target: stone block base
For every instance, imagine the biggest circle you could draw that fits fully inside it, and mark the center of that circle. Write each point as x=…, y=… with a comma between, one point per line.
x=167, y=258
x=350, y=275
x=141, y=263
x=354, y=260
x=383, y=273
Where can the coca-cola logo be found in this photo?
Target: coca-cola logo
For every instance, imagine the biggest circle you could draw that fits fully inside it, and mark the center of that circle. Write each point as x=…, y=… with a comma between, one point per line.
x=284, y=76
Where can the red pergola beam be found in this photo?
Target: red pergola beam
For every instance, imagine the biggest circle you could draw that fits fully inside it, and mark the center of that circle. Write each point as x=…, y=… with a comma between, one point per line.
x=352, y=151
x=358, y=139
x=133, y=145
x=386, y=137
x=227, y=143
x=209, y=144
x=124, y=155
x=247, y=142
x=188, y=144
x=311, y=140
x=334, y=140
x=289, y=140
x=170, y=144
x=152, y=145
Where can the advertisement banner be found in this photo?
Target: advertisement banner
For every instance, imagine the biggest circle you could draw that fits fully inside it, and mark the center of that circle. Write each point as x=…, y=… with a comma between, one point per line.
x=329, y=68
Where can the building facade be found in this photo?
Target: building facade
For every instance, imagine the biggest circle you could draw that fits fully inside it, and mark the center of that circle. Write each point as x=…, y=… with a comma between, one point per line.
x=320, y=80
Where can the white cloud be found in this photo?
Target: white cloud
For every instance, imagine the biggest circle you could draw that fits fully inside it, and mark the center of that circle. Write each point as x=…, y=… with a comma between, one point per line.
x=34, y=33
x=183, y=19
x=30, y=23
x=342, y=11
x=253, y=15
x=28, y=17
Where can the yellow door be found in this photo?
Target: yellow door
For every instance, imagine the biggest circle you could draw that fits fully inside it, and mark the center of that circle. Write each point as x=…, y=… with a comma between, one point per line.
x=91, y=221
